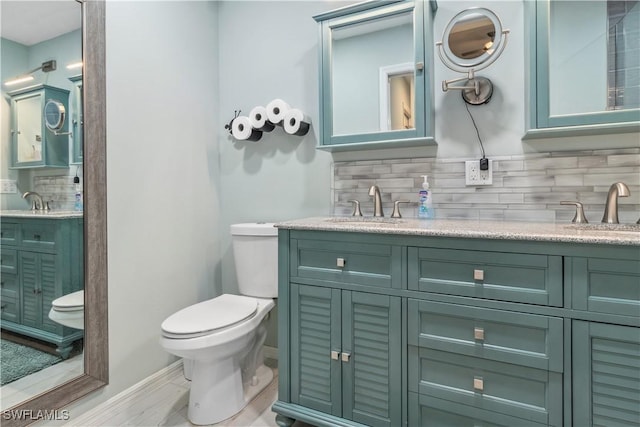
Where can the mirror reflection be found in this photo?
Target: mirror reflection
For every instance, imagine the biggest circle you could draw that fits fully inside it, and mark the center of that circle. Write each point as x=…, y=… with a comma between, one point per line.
x=373, y=75
x=42, y=317
x=593, y=56
x=472, y=36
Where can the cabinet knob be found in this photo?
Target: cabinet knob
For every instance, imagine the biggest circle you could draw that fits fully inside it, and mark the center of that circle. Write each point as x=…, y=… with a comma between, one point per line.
x=340, y=262
x=36, y=237
x=478, y=383
x=478, y=274
x=478, y=334
x=2, y=284
x=335, y=355
x=3, y=306
x=345, y=357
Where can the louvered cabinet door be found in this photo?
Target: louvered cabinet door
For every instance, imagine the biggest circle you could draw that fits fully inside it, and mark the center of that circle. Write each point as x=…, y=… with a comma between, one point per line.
x=315, y=334
x=606, y=375
x=371, y=359
x=29, y=273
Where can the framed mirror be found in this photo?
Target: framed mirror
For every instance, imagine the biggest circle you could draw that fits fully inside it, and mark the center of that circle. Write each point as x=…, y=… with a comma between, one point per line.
x=95, y=254
x=373, y=76
x=583, y=67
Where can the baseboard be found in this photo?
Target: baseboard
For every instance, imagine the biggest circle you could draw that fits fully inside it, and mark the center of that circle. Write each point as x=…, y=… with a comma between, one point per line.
x=270, y=352
x=95, y=416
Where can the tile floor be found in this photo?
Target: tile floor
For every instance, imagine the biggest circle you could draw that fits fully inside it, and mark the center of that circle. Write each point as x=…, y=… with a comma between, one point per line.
x=38, y=382
x=164, y=403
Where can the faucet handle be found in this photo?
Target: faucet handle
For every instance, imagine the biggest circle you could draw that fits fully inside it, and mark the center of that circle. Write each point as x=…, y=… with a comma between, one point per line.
x=356, y=208
x=396, y=208
x=579, y=217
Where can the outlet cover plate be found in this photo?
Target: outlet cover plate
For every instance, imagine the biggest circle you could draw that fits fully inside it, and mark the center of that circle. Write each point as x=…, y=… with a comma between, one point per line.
x=8, y=186
x=475, y=176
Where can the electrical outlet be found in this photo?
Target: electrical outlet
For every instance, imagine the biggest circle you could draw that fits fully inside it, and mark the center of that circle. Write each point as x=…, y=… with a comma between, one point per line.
x=475, y=176
x=8, y=186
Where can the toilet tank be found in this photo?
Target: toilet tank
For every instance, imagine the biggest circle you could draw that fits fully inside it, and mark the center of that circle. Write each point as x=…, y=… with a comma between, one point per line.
x=255, y=250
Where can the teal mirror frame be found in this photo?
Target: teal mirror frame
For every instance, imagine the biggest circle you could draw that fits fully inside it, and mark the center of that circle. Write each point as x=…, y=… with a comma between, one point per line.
x=422, y=133
x=540, y=122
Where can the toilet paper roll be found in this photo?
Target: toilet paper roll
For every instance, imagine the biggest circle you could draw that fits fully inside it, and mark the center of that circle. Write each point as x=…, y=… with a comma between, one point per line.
x=276, y=110
x=259, y=119
x=242, y=130
x=295, y=122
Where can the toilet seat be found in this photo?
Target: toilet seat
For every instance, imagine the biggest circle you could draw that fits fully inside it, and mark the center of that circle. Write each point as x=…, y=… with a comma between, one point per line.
x=209, y=316
x=69, y=303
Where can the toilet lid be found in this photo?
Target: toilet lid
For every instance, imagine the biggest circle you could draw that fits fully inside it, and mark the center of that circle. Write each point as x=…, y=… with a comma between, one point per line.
x=70, y=302
x=207, y=316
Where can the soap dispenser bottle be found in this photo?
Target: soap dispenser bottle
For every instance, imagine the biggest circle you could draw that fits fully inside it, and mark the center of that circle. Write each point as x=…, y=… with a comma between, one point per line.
x=79, y=203
x=425, y=202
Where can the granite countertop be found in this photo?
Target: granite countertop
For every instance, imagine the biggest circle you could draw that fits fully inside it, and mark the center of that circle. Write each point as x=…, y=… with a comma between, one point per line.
x=613, y=234
x=53, y=214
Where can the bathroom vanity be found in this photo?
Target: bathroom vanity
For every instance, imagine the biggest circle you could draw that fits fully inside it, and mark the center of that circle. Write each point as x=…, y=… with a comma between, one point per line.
x=410, y=323
x=42, y=259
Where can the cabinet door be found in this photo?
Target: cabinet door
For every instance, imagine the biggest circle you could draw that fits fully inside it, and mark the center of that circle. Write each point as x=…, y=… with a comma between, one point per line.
x=38, y=279
x=315, y=333
x=606, y=375
x=371, y=359
x=28, y=128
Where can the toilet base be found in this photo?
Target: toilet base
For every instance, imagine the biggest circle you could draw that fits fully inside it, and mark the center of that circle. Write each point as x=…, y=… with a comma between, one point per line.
x=211, y=405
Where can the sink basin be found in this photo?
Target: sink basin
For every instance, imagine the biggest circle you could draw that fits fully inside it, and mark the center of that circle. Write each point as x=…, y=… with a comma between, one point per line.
x=607, y=227
x=364, y=220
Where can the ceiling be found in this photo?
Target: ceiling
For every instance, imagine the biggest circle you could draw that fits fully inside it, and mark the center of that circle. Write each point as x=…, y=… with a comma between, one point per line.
x=31, y=22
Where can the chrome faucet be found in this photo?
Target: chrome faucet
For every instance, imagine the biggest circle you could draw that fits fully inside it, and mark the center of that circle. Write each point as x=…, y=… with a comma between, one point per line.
x=374, y=191
x=618, y=189
x=36, y=203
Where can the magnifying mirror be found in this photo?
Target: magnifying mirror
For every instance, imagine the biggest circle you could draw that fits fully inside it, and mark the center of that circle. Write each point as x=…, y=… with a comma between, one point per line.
x=54, y=115
x=472, y=41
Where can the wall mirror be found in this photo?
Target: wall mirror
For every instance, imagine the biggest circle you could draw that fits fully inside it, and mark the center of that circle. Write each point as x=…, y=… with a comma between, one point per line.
x=472, y=40
x=584, y=66
x=374, y=90
x=95, y=349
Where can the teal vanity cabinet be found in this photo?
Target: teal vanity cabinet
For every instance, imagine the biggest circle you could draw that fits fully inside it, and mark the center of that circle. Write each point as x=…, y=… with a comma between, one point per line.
x=77, y=120
x=583, y=67
x=376, y=75
x=344, y=329
x=33, y=144
x=41, y=260
x=431, y=330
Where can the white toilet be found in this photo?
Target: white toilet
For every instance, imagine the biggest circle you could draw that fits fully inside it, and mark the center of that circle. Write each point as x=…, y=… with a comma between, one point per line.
x=68, y=310
x=222, y=338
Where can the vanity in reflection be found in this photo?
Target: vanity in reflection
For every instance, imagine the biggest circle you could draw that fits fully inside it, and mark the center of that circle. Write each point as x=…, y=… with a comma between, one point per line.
x=457, y=323
x=42, y=260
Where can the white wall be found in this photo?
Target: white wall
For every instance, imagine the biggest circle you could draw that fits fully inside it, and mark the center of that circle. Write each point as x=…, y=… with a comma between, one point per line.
x=162, y=177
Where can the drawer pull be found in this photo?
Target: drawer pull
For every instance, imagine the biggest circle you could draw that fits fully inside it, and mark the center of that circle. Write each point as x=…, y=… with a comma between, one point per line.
x=478, y=384
x=36, y=237
x=478, y=334
x=478, y=274
x=340, y=262
x=345, y=357
x=335, y=355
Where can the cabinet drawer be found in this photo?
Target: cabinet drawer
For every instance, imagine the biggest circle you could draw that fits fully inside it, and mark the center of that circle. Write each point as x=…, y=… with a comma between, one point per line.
x=9, y=309
x=518, y=391
x=8, y=261
x=38, y=235
x=504, y=336
x=428, y=411
x=606, y=285
x=9, y=285
x=8, y=233
x=526, y=278
x=367, y=264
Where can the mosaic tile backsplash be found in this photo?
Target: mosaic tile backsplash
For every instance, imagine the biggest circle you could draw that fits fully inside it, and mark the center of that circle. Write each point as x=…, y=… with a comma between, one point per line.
x=526, y=187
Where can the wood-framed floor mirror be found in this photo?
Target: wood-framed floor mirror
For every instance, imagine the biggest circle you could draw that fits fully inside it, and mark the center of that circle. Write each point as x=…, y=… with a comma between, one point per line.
x=96, y=372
